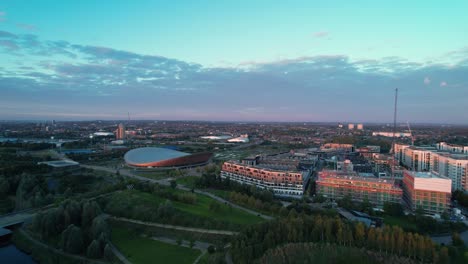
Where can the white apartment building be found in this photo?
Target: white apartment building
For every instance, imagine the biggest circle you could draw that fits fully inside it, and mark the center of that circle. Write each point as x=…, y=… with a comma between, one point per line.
x=452, y=148
x=440, y=160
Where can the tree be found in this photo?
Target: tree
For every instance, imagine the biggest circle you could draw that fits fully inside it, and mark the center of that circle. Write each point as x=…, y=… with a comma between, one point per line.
x=443, y=256
x=90, y=211
x=72, y=240
x=456, y=240
x=192, y=243
x=94, y=251
x=99, y=227
x=108, y=254
x=173, y=184
x=211, y=249
x=4, y=187
x=359, y=234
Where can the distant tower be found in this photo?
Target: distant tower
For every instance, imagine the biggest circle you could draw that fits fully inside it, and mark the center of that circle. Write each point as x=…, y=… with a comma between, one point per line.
x=120, y=132
x=360, y=127
x=350, y=126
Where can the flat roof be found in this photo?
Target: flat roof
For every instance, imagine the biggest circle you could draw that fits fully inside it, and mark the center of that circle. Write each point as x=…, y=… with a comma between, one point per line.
x=426, y=175
x=60, y=163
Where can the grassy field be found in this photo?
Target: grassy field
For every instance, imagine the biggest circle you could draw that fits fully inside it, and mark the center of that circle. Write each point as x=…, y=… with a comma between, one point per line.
x=188, y=181
x=224, y=213
x=157, y=175
x=200, y=208
x=139, y=249
x=221, y=193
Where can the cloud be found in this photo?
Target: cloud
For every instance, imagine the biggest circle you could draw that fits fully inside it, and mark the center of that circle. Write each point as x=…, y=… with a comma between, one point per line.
x=4, y=34
x=321, y=34
x=9, y=45
x=2, y=16
x=26, y=26
x=82, y=80
x=427, y=81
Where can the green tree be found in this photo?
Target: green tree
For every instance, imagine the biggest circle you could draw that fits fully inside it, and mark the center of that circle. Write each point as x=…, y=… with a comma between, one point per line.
x=173, y=184
x=359, y=234
x=90, y=211
x=72, y=240
x=4, y=187
x=94, y=250
x=108, y=254
x=444, y=257
x=456, y=240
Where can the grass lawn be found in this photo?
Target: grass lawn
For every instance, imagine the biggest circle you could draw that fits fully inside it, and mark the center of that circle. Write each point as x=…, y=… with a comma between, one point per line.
x=401, y=222
x=139, y=249
x=225, y=213
x=157, y=175
x=201, y=208
x=221, y=193
x=188, y=181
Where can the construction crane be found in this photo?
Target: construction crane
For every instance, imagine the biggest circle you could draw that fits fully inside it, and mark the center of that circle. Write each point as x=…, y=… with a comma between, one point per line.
x=411, y=134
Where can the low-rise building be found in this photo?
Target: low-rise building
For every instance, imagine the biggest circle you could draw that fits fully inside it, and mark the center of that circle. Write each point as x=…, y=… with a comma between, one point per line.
x=282, y=182
x=427, y=191
x=336, y=185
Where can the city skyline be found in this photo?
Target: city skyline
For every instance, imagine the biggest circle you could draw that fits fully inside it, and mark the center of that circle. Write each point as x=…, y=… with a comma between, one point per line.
x=304, y=62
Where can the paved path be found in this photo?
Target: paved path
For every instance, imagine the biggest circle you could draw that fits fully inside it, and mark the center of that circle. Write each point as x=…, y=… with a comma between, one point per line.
x=166, y=182
x=119, y=254
x=183, y=228
x=447, y=239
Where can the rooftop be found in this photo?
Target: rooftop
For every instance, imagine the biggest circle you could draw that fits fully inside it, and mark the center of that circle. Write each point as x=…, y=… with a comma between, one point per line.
x=152, y=154
x=59, y=163
x=426, y=175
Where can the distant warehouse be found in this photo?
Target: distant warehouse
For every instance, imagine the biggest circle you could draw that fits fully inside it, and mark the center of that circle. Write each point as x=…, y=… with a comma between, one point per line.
x=162, y=158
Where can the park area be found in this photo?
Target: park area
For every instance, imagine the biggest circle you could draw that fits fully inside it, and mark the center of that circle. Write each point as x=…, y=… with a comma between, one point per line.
x=177, y=207
x=138, y=249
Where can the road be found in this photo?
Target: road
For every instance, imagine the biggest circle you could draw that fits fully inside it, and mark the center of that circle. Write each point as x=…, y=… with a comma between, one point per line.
x=448, y=238
x=166, y=182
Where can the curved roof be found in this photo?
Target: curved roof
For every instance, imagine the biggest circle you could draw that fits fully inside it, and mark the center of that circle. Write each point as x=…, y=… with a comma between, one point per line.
x=151, y=154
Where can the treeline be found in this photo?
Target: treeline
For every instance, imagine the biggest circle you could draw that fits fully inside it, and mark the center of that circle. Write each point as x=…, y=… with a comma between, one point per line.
x=421, y=223
x=27, y=145
x=254, y=203
x=253, y=242
x=327, y=253
x=78, y=227
x=461, y=198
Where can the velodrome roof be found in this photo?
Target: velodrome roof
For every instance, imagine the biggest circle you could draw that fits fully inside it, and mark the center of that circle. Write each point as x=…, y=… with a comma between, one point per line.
x=152, y=154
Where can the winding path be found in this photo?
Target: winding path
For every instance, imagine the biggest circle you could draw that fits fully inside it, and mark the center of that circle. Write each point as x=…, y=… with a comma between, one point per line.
x=183, y=228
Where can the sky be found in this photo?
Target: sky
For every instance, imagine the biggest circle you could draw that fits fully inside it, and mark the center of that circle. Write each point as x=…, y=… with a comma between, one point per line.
x=234, y=60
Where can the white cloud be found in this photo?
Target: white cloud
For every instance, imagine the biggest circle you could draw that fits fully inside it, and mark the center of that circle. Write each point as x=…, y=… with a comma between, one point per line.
x=427, y=81
x=321, y=34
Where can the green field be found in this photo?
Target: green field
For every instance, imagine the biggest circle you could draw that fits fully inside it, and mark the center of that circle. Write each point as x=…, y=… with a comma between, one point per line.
x=151, y=202
x=187, y=181
x=139, y=249
x=225, y=213
x=157, y=175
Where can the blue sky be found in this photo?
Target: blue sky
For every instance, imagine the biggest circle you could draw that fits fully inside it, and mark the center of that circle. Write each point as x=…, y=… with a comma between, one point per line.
x=234, y=60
